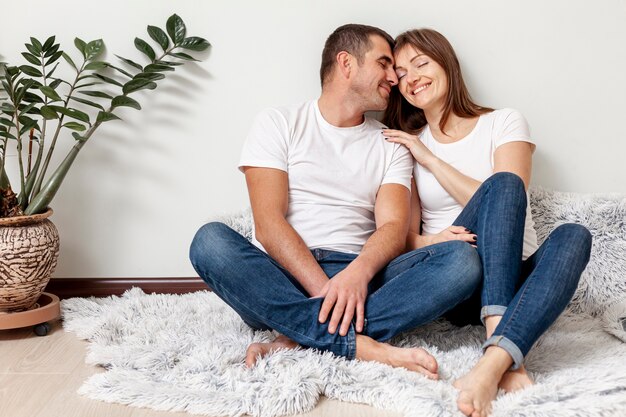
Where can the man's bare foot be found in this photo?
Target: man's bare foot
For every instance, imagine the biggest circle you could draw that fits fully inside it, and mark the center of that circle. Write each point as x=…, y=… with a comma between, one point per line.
x=261, y=349
x=480, y=386
x=515, y=380
x=413, y=359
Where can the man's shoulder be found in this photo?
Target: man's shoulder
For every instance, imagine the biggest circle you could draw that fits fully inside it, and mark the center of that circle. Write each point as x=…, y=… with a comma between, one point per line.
x=287, y=112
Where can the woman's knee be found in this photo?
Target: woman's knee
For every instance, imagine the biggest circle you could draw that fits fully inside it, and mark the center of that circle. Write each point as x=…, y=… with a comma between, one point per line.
x=576, y=237
x=465, y=262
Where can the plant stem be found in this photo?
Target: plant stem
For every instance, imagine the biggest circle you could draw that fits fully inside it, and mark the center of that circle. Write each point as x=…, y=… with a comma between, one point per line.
x=44, y=197
x=44, y=168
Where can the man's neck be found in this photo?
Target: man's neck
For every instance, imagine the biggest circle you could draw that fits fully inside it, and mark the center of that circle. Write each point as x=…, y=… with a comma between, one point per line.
x=339, y=110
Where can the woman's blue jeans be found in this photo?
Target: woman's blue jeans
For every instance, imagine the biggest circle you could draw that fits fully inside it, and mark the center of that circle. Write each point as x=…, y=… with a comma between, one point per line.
x=530, y=294
x=412, y=290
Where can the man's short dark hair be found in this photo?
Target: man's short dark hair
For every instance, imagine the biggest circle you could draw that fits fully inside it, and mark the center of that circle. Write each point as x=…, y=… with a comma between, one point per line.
x=352, y=38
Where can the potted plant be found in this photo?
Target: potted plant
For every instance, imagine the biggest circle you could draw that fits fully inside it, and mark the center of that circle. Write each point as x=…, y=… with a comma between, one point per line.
x=37, y=108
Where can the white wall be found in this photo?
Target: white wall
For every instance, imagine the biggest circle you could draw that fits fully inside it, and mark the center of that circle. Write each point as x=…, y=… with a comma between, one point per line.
x=141, y=188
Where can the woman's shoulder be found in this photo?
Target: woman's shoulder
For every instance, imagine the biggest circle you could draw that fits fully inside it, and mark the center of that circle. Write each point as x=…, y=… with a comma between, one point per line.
x=504, y=114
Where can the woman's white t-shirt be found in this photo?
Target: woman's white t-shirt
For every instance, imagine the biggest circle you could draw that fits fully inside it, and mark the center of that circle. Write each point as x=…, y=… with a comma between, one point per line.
x=473, y=156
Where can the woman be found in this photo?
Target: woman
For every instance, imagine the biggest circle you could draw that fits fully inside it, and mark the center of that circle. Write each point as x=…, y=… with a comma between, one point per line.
x=473, y=167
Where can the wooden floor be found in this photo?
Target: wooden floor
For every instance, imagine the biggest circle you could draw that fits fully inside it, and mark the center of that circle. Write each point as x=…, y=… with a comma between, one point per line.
x=39, y=377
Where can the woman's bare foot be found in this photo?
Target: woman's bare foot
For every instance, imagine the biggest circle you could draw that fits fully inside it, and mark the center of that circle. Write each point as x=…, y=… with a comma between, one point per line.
x=515, y=380
x=480, y=386
x=413, y=359
x=261, y=349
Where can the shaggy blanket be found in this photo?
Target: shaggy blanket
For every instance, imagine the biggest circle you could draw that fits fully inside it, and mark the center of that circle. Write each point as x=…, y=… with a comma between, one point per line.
x=185, y=352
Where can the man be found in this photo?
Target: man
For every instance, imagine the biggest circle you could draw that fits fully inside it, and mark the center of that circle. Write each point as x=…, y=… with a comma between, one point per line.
x=330, y=200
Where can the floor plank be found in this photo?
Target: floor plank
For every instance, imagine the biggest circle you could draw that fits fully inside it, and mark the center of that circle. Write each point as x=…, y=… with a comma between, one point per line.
x=40, y=376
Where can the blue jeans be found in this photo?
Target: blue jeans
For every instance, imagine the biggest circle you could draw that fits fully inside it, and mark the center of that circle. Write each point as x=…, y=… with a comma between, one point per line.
x=530, y=294
x=414, y=289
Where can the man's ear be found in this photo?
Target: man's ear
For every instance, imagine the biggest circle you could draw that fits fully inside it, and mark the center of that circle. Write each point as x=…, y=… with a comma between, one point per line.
x=345, y=63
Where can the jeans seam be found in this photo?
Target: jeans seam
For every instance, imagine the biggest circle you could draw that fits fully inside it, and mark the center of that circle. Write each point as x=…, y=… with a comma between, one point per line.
x=413, y=254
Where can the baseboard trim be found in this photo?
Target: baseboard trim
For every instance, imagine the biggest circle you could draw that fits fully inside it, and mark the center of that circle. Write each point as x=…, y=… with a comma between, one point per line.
x=104, y=287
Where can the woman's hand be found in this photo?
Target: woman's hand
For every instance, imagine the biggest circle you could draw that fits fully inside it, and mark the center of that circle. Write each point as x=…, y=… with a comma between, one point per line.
x=420, y=152
x=454, y=233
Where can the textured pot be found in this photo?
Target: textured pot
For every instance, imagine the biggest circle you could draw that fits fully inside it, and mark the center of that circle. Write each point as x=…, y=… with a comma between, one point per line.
x=29, y=248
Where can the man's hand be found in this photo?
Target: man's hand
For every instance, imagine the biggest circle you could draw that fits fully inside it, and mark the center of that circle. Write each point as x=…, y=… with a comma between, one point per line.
x=347, y=292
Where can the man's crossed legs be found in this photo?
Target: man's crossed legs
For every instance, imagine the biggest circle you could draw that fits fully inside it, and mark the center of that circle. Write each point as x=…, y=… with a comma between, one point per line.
x=414, y=289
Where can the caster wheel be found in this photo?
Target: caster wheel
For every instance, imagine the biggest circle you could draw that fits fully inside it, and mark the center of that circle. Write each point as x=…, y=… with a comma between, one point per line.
x=42, y=329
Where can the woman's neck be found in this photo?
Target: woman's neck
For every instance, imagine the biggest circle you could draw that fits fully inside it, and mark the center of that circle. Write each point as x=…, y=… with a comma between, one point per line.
x=456, y=127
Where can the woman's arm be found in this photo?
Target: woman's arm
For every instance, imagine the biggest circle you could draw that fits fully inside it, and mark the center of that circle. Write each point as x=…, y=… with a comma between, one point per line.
x=515, y=157
x=416, y=240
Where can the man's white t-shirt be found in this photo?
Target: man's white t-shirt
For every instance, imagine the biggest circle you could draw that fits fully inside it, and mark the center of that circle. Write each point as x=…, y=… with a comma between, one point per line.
x=334, y=173
x=473, y=156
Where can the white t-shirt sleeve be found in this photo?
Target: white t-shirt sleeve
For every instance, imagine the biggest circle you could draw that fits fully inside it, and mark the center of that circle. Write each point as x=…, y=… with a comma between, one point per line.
x=511, y=127
x=401, y=167
x=267, y=142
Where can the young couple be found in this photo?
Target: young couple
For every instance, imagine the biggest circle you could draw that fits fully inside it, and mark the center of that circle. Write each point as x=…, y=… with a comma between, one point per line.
x=349, y=251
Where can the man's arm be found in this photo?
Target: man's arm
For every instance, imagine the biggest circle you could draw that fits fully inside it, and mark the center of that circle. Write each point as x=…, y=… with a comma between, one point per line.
x=268, y=189
x=347, y=291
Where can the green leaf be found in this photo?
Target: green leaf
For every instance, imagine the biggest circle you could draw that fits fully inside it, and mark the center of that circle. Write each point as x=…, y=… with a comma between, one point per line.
x=143, y=46
x=48, y=75
x=32, y=98
x=6, y=134
x=54, y=58
x=52, y=51
x=126, y=73
x=73, y=113
x=138, y=84
x=182, y=55
x=100, y=94
x=131, y=63
x=87, y=85
x=48, y=113
x=8, y=108
x=57, y=82
x=108, y=80
x=32, y=49
x=48, y=43
x=94, y=49
x=176, y=29
x=159, y=36
x=27, y=109
x=96, y=65
x=105, y=116
x=36, y=45
x=87, y=102
x=158, y=68
x=31, y=58
x=194, y=43
x=78, y=137
x=152, y=76
x=32, y=71
x=50, y=93
x=8, y=122
x=75, y=126
x=69, y=61
x=124, y=101
x=80, y=45
x=169, y=63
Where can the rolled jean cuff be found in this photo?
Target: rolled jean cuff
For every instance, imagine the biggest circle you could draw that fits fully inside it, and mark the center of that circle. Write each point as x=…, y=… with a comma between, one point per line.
x=510, y=347
x=491, y=310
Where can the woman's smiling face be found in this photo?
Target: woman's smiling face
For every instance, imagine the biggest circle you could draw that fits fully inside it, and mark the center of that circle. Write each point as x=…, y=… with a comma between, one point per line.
x=421, y=80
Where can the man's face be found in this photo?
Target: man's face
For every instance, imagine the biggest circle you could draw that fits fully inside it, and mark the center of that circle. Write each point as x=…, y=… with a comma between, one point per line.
x=374, y=78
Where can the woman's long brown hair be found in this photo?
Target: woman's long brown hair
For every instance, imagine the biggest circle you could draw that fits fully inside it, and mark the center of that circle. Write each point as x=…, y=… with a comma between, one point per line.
x=402, y=115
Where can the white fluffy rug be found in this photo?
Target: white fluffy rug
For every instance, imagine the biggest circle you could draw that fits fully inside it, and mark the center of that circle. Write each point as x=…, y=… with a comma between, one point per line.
x=185, y=353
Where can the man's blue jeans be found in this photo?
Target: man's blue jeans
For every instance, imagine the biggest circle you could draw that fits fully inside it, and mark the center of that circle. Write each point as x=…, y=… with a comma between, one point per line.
x=530, y=294
x=412, y=290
